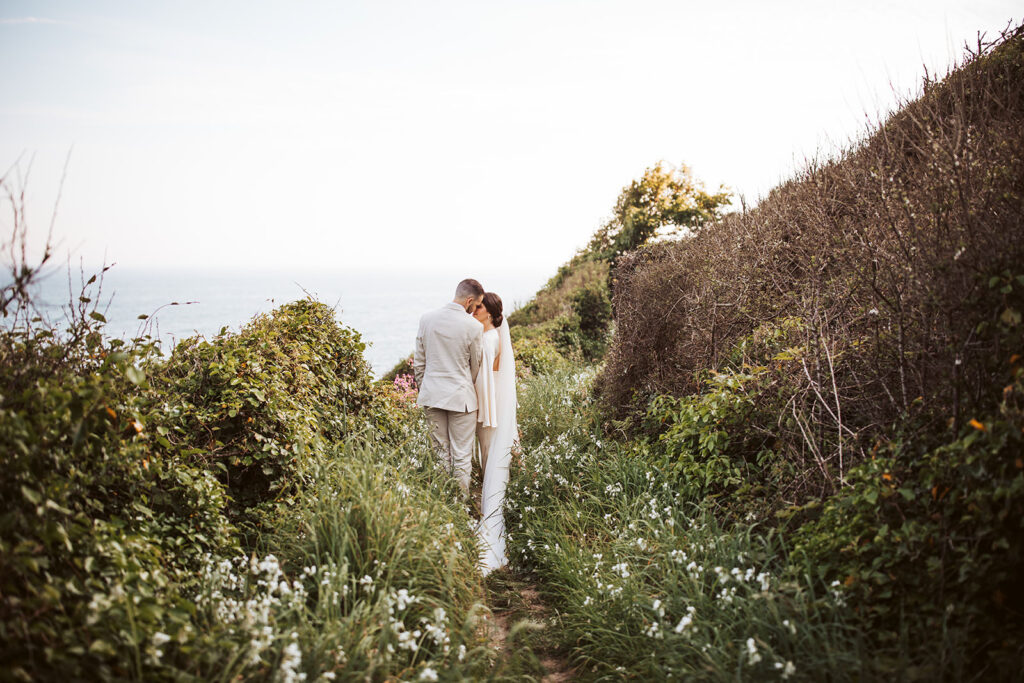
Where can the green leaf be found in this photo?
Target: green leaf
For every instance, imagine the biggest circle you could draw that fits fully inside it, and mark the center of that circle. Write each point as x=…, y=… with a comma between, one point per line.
x=908, y=493
x=97, y=316
x=134, y=375
x=1010, y=317
x=32, y=496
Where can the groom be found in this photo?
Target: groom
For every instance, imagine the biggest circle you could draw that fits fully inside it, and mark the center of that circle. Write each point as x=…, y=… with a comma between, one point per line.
x=449, y=349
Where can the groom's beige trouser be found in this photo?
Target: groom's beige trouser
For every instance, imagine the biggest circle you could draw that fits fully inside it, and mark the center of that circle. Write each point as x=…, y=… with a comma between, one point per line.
x=452, y=433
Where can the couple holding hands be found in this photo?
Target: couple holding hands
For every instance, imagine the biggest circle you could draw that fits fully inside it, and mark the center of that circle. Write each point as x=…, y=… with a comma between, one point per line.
x=466, y=373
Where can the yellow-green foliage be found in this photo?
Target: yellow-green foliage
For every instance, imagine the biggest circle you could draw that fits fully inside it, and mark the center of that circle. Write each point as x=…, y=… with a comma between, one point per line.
x=556, y=297
x=663, y=202
x=573, y=310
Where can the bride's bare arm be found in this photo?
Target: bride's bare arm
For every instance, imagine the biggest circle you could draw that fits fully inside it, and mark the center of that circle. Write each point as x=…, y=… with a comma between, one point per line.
x=497, y=360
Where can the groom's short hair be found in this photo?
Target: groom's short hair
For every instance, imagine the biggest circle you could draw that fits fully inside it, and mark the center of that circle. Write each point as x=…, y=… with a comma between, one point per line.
x=469, y=288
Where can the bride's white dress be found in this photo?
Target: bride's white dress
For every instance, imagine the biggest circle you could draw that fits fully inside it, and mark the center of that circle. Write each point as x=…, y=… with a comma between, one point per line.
x=499, y=394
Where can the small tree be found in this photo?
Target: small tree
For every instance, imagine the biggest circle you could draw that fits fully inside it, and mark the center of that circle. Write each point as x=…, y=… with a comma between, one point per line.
x=664, y=200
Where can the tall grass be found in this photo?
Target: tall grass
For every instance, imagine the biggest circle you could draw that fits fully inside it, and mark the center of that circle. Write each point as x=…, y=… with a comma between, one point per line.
x=370, y=575
x=647, y=584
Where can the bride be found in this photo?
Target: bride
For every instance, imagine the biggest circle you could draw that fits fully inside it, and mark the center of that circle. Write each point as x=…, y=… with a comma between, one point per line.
x=496, y=428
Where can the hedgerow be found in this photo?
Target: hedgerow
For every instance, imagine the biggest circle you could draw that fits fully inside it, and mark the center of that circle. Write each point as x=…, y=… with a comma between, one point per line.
x=227, y=511
x=898, y=262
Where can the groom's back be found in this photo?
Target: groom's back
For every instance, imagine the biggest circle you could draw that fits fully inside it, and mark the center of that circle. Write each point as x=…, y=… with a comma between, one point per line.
x=448, y=346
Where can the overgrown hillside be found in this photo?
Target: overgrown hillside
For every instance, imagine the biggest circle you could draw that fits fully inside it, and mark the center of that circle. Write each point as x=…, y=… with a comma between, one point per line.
x=252, y=507
x=569, y=319
x=785, y=444
x=805, y=461
x=844, y=363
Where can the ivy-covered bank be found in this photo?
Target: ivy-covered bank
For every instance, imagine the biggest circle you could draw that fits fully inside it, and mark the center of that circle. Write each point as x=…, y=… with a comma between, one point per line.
x=250, y=507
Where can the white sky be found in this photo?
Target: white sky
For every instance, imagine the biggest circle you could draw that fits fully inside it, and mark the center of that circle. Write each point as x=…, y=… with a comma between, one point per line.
x=428, y=134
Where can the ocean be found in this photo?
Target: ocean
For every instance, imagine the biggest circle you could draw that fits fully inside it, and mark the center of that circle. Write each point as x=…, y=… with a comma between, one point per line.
x=383, y=305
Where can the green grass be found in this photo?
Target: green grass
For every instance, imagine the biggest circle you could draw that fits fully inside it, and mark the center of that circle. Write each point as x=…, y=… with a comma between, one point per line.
x=647, y=585
x=378, y=561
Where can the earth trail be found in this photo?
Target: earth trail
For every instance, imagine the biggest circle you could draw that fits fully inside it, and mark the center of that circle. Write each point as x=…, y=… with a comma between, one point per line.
x=518, y=630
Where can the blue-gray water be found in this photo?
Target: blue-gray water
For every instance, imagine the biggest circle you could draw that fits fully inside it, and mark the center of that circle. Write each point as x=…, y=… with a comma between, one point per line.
x=383, y=305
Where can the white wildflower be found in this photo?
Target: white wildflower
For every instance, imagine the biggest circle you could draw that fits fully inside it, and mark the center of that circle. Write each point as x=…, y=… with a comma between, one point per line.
x=291, y=661
x=686, y=621
x=788, y=669
x=753, y=656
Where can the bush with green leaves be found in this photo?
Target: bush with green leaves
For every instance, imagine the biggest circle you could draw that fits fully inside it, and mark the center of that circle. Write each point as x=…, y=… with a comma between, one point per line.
x=647, y=584
x=933, y=542
x=592, y=306
x=705, y=438
x=124, y=471
x=251, y=405
x=727, y=440
x=535, y=353
x=102, y=529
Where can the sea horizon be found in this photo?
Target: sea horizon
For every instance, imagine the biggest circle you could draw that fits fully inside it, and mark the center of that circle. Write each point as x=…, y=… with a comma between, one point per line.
x=383, y=304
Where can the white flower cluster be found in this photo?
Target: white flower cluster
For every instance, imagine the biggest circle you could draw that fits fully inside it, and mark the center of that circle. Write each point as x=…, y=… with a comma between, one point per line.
x=836, y=590
x=762, y=580
x=247, y=597
x=437, y=630
x=686, y=621
x=291, y=660
x=225, y=584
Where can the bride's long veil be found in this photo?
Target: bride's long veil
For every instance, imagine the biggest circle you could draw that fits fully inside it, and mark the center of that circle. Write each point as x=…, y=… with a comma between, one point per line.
x=492, y=500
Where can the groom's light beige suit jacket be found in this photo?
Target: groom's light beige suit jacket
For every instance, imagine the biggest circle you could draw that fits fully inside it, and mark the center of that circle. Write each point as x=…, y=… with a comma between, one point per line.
x=449, y=348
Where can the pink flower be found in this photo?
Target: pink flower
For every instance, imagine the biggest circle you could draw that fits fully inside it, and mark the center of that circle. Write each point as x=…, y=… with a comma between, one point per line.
x=405, y=387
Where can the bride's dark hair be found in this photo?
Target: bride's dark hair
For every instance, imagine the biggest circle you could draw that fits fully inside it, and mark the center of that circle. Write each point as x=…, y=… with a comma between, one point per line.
x=492, y=302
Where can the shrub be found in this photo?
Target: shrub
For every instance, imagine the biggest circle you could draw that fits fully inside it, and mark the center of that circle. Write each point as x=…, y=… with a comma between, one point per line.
x=900, y=259
x=592, y=307
x=556, y=297
x=250, y=405
x=103, y=529
x=705, y=440
x=119, y=471
x=933, y=542
x=402, y=367
x=536, y=355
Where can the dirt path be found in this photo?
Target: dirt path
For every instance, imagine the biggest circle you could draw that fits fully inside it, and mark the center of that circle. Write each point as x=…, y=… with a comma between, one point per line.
x=519, y=631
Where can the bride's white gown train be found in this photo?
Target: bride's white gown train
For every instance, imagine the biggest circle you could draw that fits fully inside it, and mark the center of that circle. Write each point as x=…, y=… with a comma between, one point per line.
x=491, y=530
